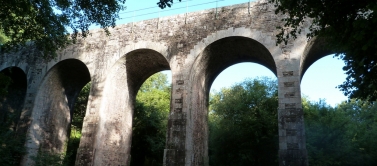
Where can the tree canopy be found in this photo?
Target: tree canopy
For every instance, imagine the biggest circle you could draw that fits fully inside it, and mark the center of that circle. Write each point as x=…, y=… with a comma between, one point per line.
x=348, y=28
x=47, y=23
x=343, y=135
x=243, y=128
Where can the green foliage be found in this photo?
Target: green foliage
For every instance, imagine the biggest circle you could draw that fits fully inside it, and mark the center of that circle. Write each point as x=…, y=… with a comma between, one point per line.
x=3, y=38
x=12, y=93
x=79, y=109
x=11, y=144
x=45, y=22
x=326, y=135
x=5, y=82
x=48, y=159
x=349, y=30
x=150, y=121
x=163, y=3
x=243, y=124
x=69, y=157
x=343, y=135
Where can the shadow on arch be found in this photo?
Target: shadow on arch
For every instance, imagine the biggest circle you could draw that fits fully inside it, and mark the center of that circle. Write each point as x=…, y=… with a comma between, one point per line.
x=213, y=60
x=53, y=107
x=116, y=114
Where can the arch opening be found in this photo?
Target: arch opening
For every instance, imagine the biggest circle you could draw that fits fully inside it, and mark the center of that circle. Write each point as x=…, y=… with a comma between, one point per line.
x=229, y=51
x=320, y=80
x=216, y=57
x=151, y=112
x=318, y=61
x=12, y=97
x=141, y=64
x=54, y=108
x=76, y=126
x=325, y=111
x=122, y=84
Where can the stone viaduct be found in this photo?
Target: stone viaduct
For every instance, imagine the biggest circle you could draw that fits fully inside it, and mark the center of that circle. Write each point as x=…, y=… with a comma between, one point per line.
x=196, y=47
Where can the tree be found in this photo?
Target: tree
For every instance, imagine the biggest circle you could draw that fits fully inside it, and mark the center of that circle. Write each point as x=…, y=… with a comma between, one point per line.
x=243, y=124
x=343, y=135
x=150, y=121
x=363, y=116
x=327, y=140
x=349, y=30
x=46, y=22
x=163, y=3
x=3, y=38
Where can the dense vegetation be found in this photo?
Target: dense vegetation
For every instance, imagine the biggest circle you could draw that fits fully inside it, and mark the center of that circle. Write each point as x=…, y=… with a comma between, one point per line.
x=11, y=142
x=243, y=124
x=344, y=135
x=11, y=101
x=243, y=128
x=150, y=121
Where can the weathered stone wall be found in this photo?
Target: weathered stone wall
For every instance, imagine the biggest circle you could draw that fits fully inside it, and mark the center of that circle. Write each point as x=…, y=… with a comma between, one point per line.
x=196, y=47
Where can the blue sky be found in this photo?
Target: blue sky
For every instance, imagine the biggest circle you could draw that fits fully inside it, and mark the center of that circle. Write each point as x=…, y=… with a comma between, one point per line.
x=319, y=81
x=141, y=10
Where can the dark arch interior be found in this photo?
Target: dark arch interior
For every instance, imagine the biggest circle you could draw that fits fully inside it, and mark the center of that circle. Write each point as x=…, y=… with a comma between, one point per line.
x=141, y=64
x=315, y=50
x=13, y=102
x=74, y=75
x=229, y=51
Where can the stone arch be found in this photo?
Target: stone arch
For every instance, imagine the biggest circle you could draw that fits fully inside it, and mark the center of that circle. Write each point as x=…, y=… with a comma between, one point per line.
x=13, y=101
x=228, y=51
x=123, y=81
x=266, y=39
x=216, y=57
x=315, y=49
x=53, y=106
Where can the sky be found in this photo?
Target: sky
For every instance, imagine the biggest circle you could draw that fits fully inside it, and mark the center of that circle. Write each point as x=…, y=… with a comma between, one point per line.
x=137, y=10
x=319, y=81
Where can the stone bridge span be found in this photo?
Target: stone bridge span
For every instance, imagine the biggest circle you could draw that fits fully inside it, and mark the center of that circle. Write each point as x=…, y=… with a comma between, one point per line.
x=196, y=47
